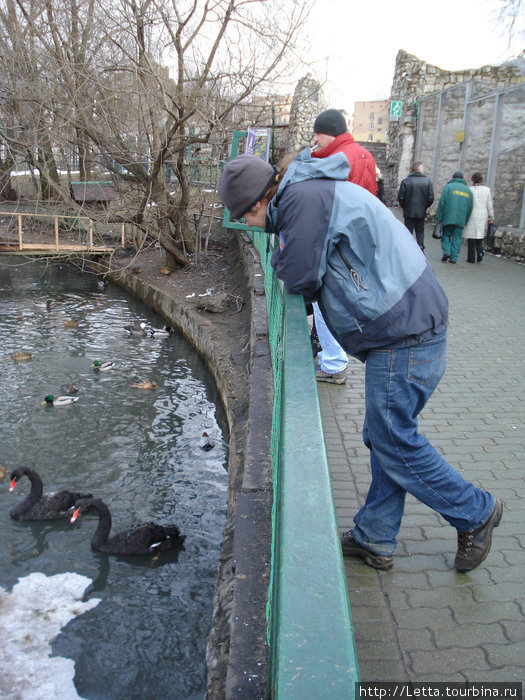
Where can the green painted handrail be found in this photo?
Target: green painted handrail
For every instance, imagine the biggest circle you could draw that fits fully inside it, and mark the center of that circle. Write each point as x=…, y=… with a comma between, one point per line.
x=311, y=640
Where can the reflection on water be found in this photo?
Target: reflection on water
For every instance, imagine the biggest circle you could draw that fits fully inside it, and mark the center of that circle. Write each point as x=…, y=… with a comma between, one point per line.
x=136, y=449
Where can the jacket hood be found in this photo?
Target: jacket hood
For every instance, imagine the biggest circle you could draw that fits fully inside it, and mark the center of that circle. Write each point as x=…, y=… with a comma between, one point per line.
x=457, y=179
x=304, y=167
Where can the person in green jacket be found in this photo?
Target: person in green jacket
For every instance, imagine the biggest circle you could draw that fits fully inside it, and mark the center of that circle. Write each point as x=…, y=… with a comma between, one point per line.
x=454, y=209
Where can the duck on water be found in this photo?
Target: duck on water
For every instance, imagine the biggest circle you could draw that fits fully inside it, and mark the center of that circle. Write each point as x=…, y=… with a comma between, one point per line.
x=51, y=400
x=102, y=366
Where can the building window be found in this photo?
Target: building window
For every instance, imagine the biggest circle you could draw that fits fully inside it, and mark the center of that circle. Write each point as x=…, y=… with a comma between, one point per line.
x=380, y=120
x=371, y=126
x=371, y=116
x=370, y=137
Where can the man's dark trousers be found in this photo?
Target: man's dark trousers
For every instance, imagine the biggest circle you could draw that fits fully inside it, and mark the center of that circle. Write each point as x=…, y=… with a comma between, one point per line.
x=417, y=225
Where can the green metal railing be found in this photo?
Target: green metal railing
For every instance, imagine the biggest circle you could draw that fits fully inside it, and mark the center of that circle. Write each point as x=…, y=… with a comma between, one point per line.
x=310, y=633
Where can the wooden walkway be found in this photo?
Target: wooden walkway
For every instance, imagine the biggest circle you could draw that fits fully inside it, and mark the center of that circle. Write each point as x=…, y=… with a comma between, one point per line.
x=50, y=240
x=52, y=249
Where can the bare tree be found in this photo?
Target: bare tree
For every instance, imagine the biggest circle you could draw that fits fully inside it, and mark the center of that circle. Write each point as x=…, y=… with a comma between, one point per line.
x=509, y=18
x=29, y=97
x=131, y=85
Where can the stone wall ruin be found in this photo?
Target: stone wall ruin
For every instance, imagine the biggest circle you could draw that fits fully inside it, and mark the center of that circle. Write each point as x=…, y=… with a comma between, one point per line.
x=487, y=104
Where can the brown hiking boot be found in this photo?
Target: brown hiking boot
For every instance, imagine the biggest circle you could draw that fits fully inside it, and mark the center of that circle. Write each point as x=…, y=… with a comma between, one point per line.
x=474, y=545
x=352, y=549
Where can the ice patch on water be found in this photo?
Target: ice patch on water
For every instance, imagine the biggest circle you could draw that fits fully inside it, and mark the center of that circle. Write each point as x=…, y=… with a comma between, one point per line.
x=31, y=616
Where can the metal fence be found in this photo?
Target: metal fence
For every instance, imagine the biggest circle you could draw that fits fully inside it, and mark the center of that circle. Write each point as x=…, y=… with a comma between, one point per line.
x=468, y=128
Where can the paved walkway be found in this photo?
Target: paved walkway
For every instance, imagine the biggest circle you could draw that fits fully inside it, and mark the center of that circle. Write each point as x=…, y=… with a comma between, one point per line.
x=422, y=620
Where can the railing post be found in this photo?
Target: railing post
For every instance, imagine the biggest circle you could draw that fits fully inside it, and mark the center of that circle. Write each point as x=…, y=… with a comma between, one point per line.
x=20, y=246
x=56, y=232
x=123, y=234
x=90, y=241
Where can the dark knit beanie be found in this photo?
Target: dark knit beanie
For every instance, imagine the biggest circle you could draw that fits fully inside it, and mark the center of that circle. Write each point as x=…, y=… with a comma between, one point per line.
x=458, y=174
x=243, y=182
x=330, y=122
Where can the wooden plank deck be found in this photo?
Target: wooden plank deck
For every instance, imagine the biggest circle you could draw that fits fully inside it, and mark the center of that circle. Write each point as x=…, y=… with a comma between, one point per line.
x=52, y=245
x=47, y=248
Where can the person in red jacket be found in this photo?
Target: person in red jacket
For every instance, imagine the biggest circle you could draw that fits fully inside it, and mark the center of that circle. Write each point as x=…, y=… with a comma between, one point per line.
x=331, y=136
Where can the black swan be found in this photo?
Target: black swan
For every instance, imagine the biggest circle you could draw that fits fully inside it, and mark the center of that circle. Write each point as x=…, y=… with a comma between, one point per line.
x=146, y=538
x=38, y=506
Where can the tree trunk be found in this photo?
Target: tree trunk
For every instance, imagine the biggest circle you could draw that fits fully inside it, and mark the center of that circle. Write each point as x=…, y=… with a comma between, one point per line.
x=175, y=254
x=7, y=191
x=46, y=160
x=83, y=153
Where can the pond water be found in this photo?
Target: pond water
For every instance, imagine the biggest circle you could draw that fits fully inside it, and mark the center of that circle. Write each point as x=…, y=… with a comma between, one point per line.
x=145, y=633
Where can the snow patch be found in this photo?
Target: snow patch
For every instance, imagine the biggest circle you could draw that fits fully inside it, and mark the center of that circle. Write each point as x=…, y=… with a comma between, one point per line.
x=31, y=616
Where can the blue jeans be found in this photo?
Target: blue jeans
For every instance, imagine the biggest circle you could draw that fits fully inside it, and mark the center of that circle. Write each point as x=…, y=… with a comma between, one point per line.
x=398, y=383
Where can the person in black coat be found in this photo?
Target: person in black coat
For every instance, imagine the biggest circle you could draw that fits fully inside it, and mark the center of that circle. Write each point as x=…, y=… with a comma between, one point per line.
x=415, y=195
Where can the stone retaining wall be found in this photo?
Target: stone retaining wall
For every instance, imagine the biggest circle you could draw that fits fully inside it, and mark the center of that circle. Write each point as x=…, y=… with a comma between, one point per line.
x=510, y=243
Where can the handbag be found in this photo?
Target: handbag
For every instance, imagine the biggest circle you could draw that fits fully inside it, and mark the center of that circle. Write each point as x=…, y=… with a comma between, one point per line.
x=438, y=231
x=491, y=233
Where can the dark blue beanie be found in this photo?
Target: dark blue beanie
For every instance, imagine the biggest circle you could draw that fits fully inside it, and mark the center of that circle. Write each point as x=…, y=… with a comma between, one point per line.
x=330, y=122
x=243, y=182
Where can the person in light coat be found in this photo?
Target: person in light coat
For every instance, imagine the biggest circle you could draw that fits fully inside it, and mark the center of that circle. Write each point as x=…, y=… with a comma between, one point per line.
x=482, y=214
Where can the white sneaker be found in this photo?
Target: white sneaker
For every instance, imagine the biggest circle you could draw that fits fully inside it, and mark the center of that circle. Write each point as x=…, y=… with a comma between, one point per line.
x=337, y=378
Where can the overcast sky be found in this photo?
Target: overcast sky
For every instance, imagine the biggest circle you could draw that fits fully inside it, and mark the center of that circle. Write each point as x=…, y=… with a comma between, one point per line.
x=354, y=43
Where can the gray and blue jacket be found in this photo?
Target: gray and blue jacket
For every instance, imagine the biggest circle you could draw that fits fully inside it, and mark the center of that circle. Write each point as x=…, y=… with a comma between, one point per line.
x=340, y=246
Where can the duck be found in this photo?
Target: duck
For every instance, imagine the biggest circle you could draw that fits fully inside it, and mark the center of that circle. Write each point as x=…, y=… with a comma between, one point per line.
x=136, y=329
x=51, y=400
x=140, y=539
x=40, y=506
x=4, y=471
x=142, y=384
x=21, y=356
x=161, y=332
x=206, y=442
x=44, y=304
x=69, y=389
x=70, y=323
x=102, y=366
